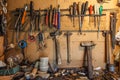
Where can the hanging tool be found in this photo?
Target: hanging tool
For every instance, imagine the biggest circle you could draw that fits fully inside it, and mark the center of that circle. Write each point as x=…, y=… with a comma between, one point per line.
x=90, y=12
x=18, y=25
x=79, y=15
x=58, y=27
x=113, y=21
x=50, y=17
x=24, y=15
x=107, y=52
x=71, y=11
x=4, y=5
x=103, y=1
x=22, y=44
x=83, y=11
x=41, y=43
x=74, y=12
x=31, y=37
x=67, y=34
x=39, y=19
x=88, y=47
x=46, y=17
x=57, y=53
x=54, y=19
x=95, y=14
x=100, y=13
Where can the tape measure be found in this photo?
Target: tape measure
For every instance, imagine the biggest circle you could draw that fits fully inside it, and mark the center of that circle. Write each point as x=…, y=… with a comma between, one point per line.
x=22, y=44
x=31, y=38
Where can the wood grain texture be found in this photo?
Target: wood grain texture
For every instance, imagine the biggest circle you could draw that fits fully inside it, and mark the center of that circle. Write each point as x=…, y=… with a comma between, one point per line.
x=75, y=50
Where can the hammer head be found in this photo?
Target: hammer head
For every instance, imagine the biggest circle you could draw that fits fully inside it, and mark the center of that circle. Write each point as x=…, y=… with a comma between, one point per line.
x=68, y=33
x=52, y=34
x=87, y=44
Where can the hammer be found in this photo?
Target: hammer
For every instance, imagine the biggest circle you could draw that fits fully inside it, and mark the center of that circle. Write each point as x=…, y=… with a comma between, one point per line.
x=68, y=46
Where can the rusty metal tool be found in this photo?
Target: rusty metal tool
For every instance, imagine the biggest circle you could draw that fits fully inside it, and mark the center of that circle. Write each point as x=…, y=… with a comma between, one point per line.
x=88, y=47
x=107, y=52
x=113, y=21
x=68, y=46
x=57, y=53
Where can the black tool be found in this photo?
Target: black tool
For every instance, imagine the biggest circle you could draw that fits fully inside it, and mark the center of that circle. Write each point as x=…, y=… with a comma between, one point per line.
x=83, y=11
x=39, y=20
x=50, y=17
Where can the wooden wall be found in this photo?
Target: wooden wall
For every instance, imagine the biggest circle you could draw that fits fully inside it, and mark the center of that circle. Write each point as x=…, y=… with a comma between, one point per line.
x=76, y=51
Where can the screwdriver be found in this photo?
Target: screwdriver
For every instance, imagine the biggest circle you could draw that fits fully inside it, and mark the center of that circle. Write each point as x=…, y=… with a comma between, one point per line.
x=90, y=12
x=58, y=17
x=100, y=13
x=79, y=13
x=70, y=12
x=83, y=12
x=95, y=13
x=74, y=12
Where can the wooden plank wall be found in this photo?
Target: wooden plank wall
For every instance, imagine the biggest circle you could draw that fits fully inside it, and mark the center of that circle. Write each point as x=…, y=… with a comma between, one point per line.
x=76, y=51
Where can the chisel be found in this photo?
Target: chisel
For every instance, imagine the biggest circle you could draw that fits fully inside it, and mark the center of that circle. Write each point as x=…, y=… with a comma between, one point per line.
x=74, y=12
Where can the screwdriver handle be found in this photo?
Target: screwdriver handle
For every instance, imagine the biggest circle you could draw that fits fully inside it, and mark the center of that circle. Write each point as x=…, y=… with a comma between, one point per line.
x=58, y=16
x=74, y=8
x=90, y=9
x=97, y=9
x=86, y=6
x=100, y=10
x=79, y=8
x=82, y=8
